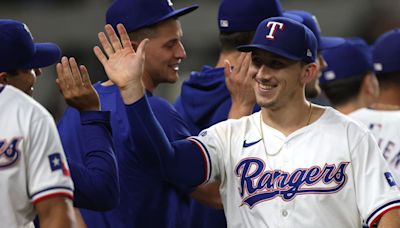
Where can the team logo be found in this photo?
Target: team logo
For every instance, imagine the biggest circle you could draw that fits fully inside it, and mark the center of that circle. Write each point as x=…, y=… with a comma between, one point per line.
x=249, y=144
x=257, y=184
x=57, y=163
x=390, y=179
x=9, y=152
x=274, y=26
x=27, y=29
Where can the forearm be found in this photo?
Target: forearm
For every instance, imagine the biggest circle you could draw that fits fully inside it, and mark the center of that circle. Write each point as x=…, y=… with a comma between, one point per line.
x=180, y=162
x=97, y=178
x=390, y=219
x=56, y=212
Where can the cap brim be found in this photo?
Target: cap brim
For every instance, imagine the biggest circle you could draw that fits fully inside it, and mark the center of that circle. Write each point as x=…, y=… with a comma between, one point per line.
x=251, y=47
x=46, y=55
x=330, y=42
x=178, y=13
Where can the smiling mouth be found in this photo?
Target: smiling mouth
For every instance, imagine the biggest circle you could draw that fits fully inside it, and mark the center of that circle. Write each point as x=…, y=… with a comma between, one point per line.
x=264, y=85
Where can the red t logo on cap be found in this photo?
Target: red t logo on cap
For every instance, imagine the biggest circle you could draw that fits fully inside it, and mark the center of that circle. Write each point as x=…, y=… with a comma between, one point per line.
x=273, y=25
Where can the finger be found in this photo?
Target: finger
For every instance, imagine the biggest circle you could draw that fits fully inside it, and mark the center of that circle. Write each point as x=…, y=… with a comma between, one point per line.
x=246, y=64
x=126, y=41
x=100, y=55
x=238, y=66
x=60, y=77
x=105, y=44
x=85, y=75
x=141, y=49
x=76, y=75
x=67, y=72
x=227, y=69
x=116, y=44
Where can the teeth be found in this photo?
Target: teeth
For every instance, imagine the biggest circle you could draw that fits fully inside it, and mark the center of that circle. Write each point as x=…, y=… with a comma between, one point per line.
x=266, y=87
x=176, y=67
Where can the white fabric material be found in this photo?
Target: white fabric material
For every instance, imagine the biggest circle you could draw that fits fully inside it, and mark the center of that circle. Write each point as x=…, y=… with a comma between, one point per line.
x=28, y=136
x=328, y=174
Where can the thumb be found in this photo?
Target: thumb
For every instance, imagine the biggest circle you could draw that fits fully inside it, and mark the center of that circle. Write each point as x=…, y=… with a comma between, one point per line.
x=227, y=69
x=141, y=48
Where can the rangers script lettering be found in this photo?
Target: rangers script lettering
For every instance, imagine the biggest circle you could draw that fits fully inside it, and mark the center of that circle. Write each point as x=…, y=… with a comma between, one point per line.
x=262, y=186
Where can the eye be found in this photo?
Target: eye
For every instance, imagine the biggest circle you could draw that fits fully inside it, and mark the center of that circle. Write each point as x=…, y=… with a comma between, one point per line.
x=256, y=61
x=276, y=64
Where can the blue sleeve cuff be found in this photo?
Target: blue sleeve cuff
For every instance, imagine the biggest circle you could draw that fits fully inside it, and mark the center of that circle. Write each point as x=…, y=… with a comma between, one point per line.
x=88, y=117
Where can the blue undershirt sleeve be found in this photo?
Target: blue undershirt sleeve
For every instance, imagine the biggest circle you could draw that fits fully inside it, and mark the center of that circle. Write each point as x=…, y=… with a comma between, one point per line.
x=96, y=180
x=181, y=162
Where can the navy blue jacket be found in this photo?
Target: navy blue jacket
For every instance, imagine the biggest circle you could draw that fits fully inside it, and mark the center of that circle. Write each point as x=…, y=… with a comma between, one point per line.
x=146, y=200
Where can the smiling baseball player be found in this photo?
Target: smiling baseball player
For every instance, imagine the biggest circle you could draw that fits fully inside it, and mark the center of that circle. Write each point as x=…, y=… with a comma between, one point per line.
x=275, y=166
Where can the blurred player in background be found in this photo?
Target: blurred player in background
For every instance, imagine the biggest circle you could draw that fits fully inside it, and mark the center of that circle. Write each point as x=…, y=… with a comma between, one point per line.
x=383, y=116
x=349, y=81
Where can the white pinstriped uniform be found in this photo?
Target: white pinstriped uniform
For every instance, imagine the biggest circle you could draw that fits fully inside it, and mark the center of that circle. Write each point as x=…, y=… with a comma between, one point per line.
x=328, y=174
x=28, y=139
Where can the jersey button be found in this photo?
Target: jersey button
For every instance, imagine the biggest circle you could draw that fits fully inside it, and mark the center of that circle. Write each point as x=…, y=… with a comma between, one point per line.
x=284, y=213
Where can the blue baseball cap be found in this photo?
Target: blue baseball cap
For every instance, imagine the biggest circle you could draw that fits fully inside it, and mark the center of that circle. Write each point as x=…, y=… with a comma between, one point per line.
x=352, y=58
x=284, y=37
x=136, y=14
x=18, y=51
x=311, y=22
x=244, y=16
x=386, y=52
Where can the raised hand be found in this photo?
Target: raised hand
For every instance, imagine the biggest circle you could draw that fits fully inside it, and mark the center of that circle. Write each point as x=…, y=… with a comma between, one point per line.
x=74, y=84
x=239, y=83
x=122, y=64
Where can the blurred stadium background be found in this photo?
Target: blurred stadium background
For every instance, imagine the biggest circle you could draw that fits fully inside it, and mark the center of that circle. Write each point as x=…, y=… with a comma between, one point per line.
x=74, y=24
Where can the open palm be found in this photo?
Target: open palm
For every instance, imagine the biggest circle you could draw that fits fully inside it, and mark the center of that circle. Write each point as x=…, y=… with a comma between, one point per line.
x=122, y=64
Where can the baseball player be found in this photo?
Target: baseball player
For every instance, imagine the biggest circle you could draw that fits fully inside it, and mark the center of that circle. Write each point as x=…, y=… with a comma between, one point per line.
x=20, y=61
x=35, y=178
x=349, y=81
x=275, y=166
x=383, y=116
x=146, y=200
x=208, y=97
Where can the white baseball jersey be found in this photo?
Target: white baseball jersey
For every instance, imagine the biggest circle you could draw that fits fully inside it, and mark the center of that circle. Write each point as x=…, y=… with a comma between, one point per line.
x=328, y=174
x=385, y=126
x=32, y=160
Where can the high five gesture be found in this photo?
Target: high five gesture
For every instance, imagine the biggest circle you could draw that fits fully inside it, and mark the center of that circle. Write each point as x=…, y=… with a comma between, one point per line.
x=123, y=65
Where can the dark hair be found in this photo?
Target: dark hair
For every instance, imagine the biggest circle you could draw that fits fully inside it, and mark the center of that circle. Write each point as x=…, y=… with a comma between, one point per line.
x=148, y=31
x=344, y=90
x=388, y=79
x=230, y=40
x=12, y=72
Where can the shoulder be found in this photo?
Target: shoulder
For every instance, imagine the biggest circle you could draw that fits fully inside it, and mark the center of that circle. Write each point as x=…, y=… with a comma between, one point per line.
x=18, y=103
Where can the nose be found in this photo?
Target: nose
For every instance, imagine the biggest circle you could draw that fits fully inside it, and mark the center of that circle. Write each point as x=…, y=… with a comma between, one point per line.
x=38, y=72
x=180, y=51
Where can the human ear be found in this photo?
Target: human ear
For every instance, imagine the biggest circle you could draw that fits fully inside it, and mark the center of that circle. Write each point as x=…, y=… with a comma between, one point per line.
x=3, y=78
x=310, y=72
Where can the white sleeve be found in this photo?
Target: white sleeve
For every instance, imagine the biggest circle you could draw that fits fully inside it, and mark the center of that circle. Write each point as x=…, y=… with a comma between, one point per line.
x=48, y=171
x=211, y=146
x=376, y=189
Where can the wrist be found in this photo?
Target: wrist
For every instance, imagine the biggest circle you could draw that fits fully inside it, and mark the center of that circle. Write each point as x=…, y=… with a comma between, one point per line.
x=132, y=92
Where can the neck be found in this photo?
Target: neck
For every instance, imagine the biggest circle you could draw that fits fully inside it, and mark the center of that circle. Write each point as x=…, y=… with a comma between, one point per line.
x=231, y=56
x=290, y=118
x=389, y=98
x=352, y=106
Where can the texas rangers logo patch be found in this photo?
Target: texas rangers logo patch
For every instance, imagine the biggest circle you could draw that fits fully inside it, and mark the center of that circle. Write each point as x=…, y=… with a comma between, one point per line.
x=56, y=163
x=9, y=152
x=258, y=184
